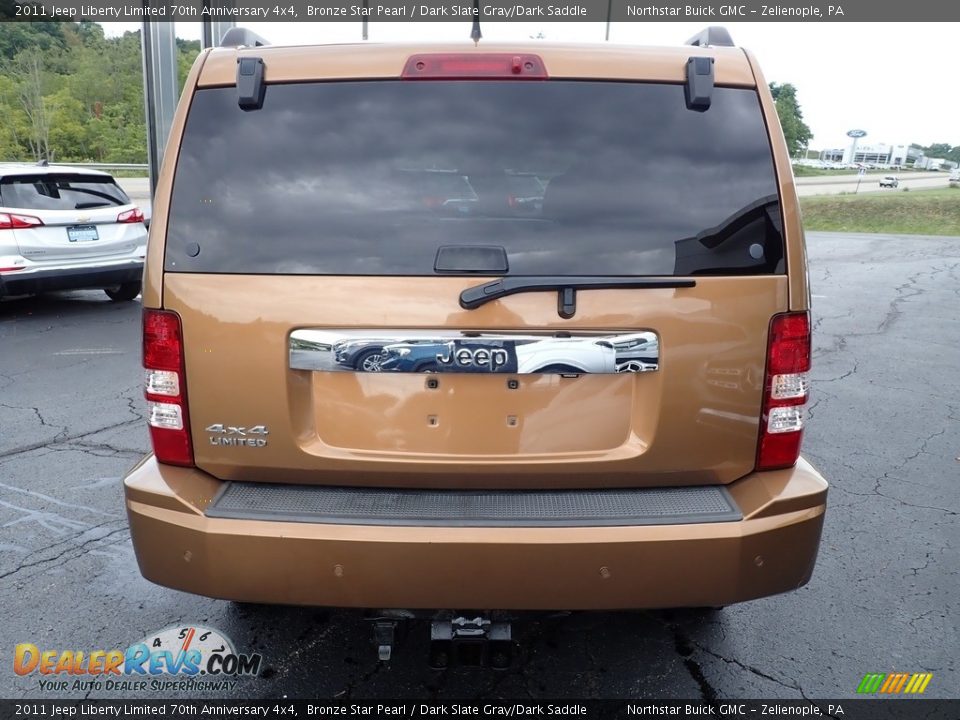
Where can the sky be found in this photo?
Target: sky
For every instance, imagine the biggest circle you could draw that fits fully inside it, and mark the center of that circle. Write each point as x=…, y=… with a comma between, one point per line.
x=896, y=81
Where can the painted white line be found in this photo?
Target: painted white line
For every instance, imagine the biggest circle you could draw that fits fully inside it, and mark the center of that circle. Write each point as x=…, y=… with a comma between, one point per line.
x=90, y=351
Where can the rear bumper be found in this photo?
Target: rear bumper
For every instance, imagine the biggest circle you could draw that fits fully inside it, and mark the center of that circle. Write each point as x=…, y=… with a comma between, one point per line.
x=771, y=550
x=76, y=278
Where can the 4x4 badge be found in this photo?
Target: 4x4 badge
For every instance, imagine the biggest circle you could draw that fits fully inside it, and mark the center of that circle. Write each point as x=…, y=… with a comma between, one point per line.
x=237, y=436
x=234, y=430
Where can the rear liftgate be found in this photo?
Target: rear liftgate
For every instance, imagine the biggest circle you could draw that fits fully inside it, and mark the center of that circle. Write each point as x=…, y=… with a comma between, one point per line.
x=470, y=638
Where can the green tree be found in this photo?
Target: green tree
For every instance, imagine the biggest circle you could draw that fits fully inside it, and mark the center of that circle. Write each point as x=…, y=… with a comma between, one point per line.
x=69, y=93
x=795, y=130
x=30, y=76
x=941, y=150
x=17, y=36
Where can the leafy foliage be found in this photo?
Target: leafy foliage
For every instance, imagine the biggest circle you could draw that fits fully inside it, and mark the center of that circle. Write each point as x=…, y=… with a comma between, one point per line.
x=795, y=130
x=942, y=150
x=70, y=94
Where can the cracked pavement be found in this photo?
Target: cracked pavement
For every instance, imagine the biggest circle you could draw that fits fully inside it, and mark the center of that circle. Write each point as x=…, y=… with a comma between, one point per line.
x=884, y=429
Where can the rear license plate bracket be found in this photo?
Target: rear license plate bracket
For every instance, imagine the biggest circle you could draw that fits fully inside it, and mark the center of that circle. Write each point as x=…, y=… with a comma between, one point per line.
x=82, y=233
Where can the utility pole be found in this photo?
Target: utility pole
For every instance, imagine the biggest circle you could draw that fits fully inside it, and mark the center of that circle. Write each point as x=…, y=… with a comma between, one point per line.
x=160, y=90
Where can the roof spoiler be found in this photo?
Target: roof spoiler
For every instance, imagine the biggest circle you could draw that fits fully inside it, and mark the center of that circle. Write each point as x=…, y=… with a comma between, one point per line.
x=714, y=35
x=242, y=37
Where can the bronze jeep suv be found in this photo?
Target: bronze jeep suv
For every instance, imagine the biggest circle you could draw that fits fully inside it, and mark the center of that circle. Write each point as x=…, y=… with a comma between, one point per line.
x=595, y=397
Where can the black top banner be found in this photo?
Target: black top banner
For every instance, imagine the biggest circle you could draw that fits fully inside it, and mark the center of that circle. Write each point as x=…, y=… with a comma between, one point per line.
x=485, y=10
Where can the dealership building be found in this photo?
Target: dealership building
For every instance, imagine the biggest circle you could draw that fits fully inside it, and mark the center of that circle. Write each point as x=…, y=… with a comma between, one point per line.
x=874, y=154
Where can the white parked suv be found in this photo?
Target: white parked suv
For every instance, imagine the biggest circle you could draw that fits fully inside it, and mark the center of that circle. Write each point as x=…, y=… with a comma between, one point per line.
x=62, y=228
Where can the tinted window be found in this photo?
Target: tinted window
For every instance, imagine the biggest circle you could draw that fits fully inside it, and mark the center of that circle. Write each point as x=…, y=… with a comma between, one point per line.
x=571, y=178
x=60, y=192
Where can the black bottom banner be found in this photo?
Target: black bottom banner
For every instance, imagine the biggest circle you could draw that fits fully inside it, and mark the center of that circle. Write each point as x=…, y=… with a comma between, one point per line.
x=855, y=709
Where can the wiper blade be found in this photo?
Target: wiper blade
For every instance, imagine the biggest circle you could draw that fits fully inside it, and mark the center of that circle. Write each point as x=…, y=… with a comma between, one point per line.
x=111, y=200
x=474, y=297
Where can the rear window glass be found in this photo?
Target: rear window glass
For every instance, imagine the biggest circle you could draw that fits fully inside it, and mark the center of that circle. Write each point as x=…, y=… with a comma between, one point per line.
x=60, y=192
x=568, y=177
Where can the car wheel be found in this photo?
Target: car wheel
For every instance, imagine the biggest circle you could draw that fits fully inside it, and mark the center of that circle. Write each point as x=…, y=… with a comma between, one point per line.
x=122, y=293
x=369, y=360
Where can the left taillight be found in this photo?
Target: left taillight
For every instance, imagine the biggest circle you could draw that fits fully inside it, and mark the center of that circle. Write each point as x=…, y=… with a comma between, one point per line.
x=165, y=388
x=786, y=390
x=13, y=221
x=131, y=216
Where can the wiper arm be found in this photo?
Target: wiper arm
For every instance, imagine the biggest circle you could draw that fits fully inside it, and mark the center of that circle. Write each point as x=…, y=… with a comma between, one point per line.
x=474, y=297
x=112, y=201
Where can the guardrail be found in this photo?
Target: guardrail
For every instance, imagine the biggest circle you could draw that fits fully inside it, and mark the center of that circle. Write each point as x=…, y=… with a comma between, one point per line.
x=93, y=166
x=107, y=166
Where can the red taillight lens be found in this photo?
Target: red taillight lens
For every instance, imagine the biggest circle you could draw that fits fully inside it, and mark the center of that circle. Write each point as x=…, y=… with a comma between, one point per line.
x=10, y=221
x=789, y=344
x=786, y=389
x=131, y=216
x=165, y=391
x=472, y=66
x=162, y=340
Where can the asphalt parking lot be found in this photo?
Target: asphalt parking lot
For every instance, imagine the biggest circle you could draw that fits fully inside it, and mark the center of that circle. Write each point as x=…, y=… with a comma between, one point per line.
x=884, y=429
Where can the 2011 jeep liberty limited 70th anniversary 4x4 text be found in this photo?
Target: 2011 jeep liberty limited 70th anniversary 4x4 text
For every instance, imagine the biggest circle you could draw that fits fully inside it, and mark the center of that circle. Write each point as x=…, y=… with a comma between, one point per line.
x=498, y=327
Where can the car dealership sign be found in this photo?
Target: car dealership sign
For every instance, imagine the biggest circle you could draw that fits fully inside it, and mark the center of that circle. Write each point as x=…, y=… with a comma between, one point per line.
x=857, y=133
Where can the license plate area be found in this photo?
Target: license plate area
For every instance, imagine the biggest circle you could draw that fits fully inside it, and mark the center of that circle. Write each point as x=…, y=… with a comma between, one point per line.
x=474, y=352
x=82, y=233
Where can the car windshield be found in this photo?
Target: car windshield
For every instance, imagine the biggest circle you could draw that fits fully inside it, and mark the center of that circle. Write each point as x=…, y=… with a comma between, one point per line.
x=60, y=192
x=568, y=177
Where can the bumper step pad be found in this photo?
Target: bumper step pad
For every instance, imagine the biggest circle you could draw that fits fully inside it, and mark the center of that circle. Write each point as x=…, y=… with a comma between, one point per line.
x=474, y=508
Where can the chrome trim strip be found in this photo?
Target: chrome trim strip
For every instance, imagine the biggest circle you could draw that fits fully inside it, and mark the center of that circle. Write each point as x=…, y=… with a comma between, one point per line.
x=461, y=351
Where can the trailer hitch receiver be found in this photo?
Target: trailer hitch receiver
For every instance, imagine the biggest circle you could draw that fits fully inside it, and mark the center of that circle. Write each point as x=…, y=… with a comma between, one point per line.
x=470, y=641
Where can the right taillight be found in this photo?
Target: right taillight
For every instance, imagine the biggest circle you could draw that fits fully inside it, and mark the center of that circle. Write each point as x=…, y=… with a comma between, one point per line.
x=165, y=389
x=131, y=216
x=786, y=389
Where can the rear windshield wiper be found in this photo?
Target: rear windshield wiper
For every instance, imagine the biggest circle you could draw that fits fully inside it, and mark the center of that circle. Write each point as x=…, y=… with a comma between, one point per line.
x=112, y=200
x=474, y=297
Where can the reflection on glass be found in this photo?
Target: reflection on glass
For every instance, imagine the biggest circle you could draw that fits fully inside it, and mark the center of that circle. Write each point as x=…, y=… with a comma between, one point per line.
x=453, y=351
x=570, y=178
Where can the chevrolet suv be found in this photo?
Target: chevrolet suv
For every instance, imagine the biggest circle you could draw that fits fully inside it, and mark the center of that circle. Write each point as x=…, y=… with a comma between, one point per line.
x=666, y=253
x=64, y=228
